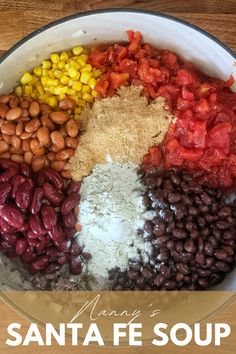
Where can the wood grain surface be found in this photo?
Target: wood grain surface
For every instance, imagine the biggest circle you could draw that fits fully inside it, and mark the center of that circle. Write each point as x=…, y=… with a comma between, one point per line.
x=20, y=17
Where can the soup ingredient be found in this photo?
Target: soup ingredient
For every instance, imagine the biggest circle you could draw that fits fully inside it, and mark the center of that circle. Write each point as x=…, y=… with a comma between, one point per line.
x=122, y=127
x=193, y=234
x=65, y=80
x=111, y=211
x=32, y=132
x=203, y=137
x=32, y=225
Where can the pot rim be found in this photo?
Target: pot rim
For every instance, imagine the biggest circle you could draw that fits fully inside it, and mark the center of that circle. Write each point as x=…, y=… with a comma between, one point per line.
x=68, y=18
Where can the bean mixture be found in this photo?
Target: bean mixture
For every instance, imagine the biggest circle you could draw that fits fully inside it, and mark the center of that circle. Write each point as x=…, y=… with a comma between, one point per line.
x=193, y=236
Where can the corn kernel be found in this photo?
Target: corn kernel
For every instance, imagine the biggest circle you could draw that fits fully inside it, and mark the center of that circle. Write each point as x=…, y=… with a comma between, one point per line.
x=18, y=91
x=64, y=56
x=58, y=74
x=72, y=72
x=70, y=54
x=52, y=101
x=74, y=64
x=64, y=80
x=61, y=65
x=40, y=89
x=55, y=58
x=46, y=64
x=86, y=67
x=97, y=73
x=44, y=81
x=50, y=74
x=87, y=97
x=52, y=82
x=81, y=102
x=75, y=98
x=28, y=89
x=83, y=57
x=77, y=86
x=81, y=62
x=60, y=90
x=86, y=89
x=94, y=93
x=26, y=78
x=85, y=77
x=92, y=83
x=71, y=92
x=77, y=50
x=77, y=110
x=45, y=72
x=62, y=96
x=52, y=90
x=55, y=66
x=37, y=71
x=67, y=66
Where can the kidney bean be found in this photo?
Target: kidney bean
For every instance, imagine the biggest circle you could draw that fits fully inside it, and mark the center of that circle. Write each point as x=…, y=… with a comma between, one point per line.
x=54, y=178
x=36, y=202
x=40, y=263
x=9, y=173
x=41, y=246
x=51, y=194
x=49, y=216
x=4, y=226
x=51, y=268
x=75, y=266
x=21, y=247
x=56, y=234
x=69, y=203
x=13, y=216
x=36, y=225
x=69, y=220
x=24, y=195
x=5, y=189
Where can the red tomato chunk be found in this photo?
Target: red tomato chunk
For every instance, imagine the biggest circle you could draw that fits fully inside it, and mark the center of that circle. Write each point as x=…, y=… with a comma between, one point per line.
x=204, y=135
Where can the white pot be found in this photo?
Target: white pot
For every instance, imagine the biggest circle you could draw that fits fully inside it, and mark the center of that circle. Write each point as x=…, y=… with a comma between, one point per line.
x=87, y=28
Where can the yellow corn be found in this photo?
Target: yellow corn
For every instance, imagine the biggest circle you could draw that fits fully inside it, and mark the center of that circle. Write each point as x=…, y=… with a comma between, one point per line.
x=64, y=56
x=65, y=74
x=77, y=50
x=55, y=58
x=86, y=89
x=37, y=71
x=87, y=97
x=85, y=77
x=46, y=64
x=18, y=91
x=26, y=78
x=77, y=86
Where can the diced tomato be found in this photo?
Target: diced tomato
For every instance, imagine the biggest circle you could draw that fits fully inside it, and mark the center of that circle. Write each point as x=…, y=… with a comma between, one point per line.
x=172, y=154
x=191, y=154
x=170, y=60
x=135, y=40
x=186, y=94
x=101, y=87
x=153, y=157
x=224, y=178
x=228, y=99
x=184, y=78
x=129, y=66
x=212, y=157
x=118, y=79
x=205, y=89
x=98, y=58
x=192, y=133
x=230, y=81
x=232, y=164
x=219, y=136
x=120, y=52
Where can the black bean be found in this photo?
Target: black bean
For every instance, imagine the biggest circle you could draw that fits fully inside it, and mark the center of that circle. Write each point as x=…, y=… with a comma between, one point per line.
x=182, y=268
x=169, y=284
x=159, y=229
x=206, y=198
x=158, y=281
x=222, y=225
x=133, y=274
x=174, y=197
x=148, y=226
x=175, y=179
x=222, y=266
x=209, y=250
x=220, y=254
x=147, y=274
x=179, y=233
x=200, y=258
x=162, y=239
x=189, y=246
x=225, y=211
x=203, y=282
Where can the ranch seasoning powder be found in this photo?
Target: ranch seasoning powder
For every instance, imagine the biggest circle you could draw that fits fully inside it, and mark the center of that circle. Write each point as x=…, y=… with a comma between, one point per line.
x=111, y=211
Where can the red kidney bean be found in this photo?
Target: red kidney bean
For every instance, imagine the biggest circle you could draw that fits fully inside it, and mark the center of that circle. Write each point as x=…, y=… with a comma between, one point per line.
x=75, y=266
x=11, y=239
x=52, y=251
x=29, y=255
x=36, y=225
x=69, y=233
x=8, y=174
x=62, y=260
x=40, y=263
x=42, y=244
x=75, y=249
x=25, y=170
x=56, y=234
x=15, y=182
x=40, y=179
x=69, y=203
x=54, y=178
x=36, y=202
x=52, y=195
x=49, y=216
x=24, y=195
x=13, y=216
x=6, y=164
x=69, y=220
x=21, y=247
x=4, y=226
x=31, y=235
x=52, y=268
x=73, y=187
x=5, y=189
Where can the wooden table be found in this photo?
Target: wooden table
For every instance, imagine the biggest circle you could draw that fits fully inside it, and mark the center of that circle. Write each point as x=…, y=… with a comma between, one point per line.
x=20, y=17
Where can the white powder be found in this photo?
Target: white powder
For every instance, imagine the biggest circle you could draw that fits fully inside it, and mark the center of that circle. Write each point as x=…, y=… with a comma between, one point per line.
x=111, y=211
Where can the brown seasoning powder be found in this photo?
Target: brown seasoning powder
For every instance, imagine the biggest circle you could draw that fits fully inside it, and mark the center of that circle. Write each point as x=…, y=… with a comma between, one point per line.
x=121, y=127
